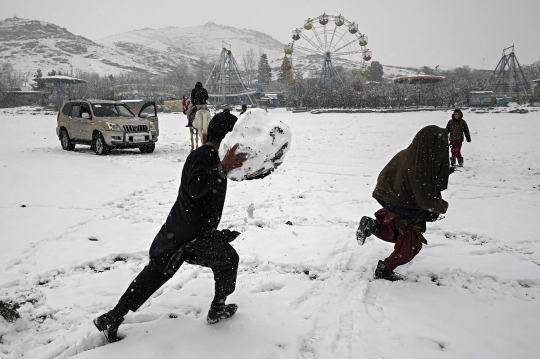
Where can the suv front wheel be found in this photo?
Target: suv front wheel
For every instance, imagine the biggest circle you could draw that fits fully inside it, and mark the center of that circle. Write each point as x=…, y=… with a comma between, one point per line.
x=147, y=148
x=100, y=146
x=66, y=143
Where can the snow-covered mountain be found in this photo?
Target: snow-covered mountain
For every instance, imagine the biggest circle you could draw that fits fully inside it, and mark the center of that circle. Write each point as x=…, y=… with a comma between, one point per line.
x=163, y=47
x=31, y=44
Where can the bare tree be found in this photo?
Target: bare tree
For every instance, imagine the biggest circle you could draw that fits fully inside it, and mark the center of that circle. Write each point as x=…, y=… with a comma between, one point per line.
x=10, y=78
x=249, y=65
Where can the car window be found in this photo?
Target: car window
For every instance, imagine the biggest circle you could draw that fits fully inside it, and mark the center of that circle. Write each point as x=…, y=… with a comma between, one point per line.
x=66, y=108
x=76, y=110
x=85, y=109
x=111, y=110
x=124, y=111
x=104, y=110
x=150, y=110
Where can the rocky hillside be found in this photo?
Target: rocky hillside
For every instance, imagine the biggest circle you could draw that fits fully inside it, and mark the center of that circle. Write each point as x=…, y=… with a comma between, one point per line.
x=161, y=47
x=31, y=44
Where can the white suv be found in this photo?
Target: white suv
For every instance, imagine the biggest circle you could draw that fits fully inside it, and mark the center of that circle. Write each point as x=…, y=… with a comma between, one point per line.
x=105, y=124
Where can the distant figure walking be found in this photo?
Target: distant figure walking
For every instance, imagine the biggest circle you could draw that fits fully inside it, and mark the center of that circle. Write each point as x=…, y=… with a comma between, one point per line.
x=199, y=96
x=457, y=127
x=409, y=190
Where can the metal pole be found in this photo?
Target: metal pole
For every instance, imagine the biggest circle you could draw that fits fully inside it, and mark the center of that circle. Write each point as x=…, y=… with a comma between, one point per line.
x=514, y=72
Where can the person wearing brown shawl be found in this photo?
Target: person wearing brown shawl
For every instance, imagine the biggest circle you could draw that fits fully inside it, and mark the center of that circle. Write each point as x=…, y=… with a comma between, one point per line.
x=409, y=190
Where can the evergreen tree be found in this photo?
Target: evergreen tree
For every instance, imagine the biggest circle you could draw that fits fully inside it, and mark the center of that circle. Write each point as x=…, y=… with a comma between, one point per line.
x=264, y=75
x=52, y=73
x=38, y=86
x=376, y=72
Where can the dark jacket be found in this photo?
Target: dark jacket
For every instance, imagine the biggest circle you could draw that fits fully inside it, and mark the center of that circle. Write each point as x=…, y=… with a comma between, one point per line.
x=197, y=209
x=199, y=95
x=456, y=129
x=416, y=176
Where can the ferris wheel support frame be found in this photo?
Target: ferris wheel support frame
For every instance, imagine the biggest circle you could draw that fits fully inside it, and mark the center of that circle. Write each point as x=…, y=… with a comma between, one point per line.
x=329, y=76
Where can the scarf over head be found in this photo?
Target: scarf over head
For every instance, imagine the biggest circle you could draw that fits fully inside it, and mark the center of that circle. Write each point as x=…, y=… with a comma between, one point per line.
x=415, y=177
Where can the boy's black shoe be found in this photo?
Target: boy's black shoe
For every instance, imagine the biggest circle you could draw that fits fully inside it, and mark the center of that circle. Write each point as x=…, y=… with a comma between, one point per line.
x=381, y=272
x=108, y=324
x=220, y=311
x=367, y=227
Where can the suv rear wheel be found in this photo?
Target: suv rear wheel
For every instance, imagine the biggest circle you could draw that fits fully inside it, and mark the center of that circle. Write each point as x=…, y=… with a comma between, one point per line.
x=100, y=146
x=66, y=143
x=147, y=148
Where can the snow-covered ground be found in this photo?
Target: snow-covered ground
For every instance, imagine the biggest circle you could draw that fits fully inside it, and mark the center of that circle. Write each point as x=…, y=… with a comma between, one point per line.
x=304, y=290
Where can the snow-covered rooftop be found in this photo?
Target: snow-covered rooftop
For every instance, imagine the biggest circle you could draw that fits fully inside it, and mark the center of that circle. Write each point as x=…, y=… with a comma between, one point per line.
x=59, y=78
x=419, y=79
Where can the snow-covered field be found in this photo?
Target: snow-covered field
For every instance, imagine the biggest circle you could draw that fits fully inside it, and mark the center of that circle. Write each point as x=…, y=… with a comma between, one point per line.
x=304, y=290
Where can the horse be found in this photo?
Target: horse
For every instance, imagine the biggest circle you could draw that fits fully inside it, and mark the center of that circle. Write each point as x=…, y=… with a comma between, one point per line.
x=199, y=128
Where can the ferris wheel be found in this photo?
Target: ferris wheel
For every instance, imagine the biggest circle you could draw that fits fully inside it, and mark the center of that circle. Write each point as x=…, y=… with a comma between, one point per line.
x=330, y=39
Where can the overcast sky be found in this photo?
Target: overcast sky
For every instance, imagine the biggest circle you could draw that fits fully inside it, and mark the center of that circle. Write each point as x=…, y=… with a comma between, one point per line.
x=448, y=33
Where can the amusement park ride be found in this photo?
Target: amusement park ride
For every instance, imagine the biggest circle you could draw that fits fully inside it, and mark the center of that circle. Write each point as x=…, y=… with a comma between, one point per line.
x=508, y=77
x=225, y=85
x=332, y=39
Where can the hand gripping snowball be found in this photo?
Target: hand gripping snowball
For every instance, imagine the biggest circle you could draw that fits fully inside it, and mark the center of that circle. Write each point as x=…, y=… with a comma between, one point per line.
x=264, y=138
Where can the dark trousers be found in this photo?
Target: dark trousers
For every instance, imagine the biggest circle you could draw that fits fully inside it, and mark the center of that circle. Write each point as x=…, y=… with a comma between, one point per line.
x=455, y=148
x=212, y=252
x=408, y=242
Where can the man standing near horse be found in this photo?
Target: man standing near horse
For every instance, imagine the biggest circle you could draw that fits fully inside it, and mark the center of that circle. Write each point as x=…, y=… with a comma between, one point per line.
x=190, y=233
x=199, y=96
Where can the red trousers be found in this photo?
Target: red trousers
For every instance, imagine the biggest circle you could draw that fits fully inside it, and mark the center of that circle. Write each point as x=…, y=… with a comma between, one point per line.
x=456, y=148
x=408, y=242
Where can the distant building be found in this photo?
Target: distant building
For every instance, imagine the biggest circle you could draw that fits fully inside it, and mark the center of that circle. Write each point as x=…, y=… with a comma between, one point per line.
x=17, y=97
x=149, y=92
x=536, y=86
x=503, y=101
x=272, y=99
x=173, y=106
x=480, y=98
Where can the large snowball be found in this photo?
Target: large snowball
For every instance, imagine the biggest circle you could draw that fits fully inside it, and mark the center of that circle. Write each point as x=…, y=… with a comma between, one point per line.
x=264, y=138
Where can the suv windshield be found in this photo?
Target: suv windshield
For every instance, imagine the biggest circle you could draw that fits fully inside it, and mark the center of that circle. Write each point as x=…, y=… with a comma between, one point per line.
x=111, y=110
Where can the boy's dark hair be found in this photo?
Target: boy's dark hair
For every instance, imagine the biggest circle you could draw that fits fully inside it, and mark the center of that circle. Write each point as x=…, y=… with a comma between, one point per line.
x=457, y=110
x=219, y=127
